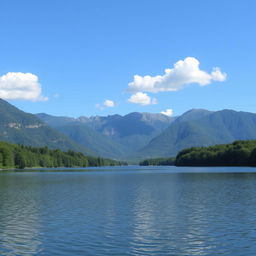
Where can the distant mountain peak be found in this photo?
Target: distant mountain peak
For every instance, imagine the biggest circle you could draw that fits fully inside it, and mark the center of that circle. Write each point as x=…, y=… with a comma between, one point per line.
x=121, y=133
x=193, y=114
x=197, y=110
x=202, y=128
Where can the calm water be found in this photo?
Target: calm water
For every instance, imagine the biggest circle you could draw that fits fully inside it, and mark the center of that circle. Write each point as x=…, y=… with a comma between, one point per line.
x=129, y=211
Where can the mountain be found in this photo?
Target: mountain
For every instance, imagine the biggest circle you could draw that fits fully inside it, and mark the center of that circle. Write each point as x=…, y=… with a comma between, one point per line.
x=134, y=130
x=201, y=128
x=55, y=121
x=98, y=143
x=193, y=114
x=19, y=127
x=132, y=136
x=81, y=130
x=112, y=136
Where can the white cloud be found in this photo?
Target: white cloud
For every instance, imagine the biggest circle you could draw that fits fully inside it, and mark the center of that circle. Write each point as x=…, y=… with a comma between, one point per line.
x=142, y=99
x=184, y=72
x=109, y=103
x=167, y=112
x=217, y=75
x=105, y=104
x=20, y=86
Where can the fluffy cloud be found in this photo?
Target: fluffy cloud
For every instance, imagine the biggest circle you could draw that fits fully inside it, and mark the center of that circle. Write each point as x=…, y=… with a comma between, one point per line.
x=109, y=103
x=22, y=86
x=142, y=99
x=184, y=72
x=167, y=112
x=105, y=104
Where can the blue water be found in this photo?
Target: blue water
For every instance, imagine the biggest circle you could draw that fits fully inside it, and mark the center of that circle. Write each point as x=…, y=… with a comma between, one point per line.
x=129, y=211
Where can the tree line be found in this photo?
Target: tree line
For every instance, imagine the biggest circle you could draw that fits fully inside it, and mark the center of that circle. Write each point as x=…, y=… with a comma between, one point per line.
x=20, y=156
x=239, y=153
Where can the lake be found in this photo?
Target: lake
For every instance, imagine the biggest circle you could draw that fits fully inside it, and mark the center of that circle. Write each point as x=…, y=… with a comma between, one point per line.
x=129, y=211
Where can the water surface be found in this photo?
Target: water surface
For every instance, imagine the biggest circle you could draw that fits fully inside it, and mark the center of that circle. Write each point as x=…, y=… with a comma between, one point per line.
x=129, y=211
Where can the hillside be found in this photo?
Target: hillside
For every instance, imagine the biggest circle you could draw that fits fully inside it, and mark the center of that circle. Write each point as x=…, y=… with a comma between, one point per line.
x=19, y=127
x=134, y=136
x=112, y=136
x=239, y=153
x=95, y=141
x=201, y=128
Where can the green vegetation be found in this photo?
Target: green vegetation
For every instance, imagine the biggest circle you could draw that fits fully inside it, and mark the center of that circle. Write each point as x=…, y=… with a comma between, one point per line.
x=20, y=156
x=135, y=136
x=19, y=127
x=87, y=137
x=158, y=161
x=239, y=153
x=112, y=136
x=201, y=128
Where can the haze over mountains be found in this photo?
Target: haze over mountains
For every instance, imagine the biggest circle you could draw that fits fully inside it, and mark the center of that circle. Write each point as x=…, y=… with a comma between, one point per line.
x=113, y=136
x=133, y=136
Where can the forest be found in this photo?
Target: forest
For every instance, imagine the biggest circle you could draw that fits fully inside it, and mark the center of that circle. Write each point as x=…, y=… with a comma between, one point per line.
x=20, y=156
x=239, y=153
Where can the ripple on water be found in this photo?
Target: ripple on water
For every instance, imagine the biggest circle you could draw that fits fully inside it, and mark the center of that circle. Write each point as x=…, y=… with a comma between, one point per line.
x=158, y=212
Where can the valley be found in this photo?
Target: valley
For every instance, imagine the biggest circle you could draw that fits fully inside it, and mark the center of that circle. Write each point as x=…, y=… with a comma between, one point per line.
x=132, y=137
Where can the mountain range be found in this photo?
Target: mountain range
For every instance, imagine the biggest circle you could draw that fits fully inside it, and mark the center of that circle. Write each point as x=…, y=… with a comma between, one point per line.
x=201, y=128
x=113, y=136
x=132, y=136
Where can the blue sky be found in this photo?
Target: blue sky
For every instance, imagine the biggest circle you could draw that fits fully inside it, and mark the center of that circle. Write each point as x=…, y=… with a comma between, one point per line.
x=83, y=53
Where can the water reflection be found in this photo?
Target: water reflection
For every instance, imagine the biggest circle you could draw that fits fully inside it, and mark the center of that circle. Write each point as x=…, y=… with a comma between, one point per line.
x=188, y=214
x=19, y=217
x=127, y=213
